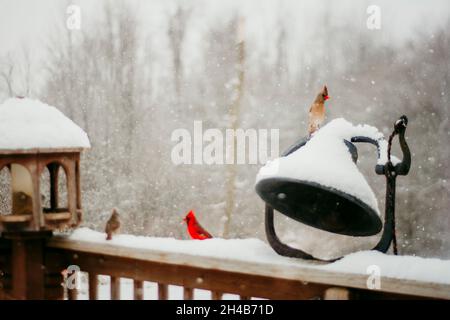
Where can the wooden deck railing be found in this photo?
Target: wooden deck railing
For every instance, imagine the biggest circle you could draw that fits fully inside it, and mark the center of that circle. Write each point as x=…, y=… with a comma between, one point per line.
x=189, y=272
x=243, y=278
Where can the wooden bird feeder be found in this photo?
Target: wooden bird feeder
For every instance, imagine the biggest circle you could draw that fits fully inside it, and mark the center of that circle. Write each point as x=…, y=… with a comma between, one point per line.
x=39, y=137
x=35, y=138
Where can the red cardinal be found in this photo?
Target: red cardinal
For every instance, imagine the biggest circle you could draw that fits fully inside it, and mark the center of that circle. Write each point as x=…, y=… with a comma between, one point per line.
x=195, y=230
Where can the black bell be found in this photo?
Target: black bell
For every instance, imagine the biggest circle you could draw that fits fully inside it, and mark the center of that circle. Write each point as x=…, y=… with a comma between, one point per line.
x=319, y=206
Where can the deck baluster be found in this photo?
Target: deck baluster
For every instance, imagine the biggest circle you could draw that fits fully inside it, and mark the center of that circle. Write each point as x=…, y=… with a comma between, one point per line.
x=162, y=291
x=138, y=290
x=115, y=288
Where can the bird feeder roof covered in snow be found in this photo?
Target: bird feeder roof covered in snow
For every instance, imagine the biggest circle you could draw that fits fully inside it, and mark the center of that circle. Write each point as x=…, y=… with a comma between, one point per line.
x=36, y=140
x=29, y=126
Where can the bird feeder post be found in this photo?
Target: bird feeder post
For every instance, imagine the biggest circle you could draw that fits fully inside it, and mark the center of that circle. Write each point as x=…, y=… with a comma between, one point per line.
x=27, y=264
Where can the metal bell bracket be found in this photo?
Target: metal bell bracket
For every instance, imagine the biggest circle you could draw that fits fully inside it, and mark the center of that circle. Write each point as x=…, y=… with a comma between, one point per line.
x=389, y=170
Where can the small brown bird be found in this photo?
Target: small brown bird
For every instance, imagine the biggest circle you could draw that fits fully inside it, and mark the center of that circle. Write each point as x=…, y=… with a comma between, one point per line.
x=317, y=111
x=113, y=225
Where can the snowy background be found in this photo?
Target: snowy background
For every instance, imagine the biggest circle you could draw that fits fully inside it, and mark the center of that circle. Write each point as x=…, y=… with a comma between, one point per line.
x=137, y=70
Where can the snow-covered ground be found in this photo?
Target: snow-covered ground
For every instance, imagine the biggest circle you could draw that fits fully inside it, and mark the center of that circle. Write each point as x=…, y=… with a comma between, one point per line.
x=257, y=251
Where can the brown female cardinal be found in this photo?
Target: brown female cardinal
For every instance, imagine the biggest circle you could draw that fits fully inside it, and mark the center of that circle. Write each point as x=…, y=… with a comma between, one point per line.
x=195, y=230
x=113, y=225
x=317, y=111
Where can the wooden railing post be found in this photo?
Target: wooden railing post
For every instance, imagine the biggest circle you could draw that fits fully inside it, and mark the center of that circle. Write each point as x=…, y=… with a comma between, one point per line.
x=72, y=294
x=162, y=291
x=216, y=295
x=188, y=293
x=93, y=286
x=115, y=288
x=138, y=290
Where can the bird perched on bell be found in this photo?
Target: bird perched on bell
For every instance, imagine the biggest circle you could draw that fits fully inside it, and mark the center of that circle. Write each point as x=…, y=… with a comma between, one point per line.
x=317, y=111
x=195, y=230
x=113, y=225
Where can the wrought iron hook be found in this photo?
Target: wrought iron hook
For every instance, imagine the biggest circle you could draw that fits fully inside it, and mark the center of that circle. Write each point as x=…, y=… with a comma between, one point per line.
x=391, y=172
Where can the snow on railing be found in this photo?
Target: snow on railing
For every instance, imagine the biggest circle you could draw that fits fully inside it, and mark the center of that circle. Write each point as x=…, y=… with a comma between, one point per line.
x=165, y=268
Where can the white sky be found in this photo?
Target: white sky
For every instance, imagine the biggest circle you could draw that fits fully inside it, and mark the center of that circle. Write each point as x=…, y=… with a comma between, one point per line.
x=24, y=22
x=28, y=22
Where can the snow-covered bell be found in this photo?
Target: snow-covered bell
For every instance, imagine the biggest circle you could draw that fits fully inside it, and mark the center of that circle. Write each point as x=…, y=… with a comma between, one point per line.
x=317, y=182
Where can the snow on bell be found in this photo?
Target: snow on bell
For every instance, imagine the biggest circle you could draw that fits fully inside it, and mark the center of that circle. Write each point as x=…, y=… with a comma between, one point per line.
x=316, y=182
